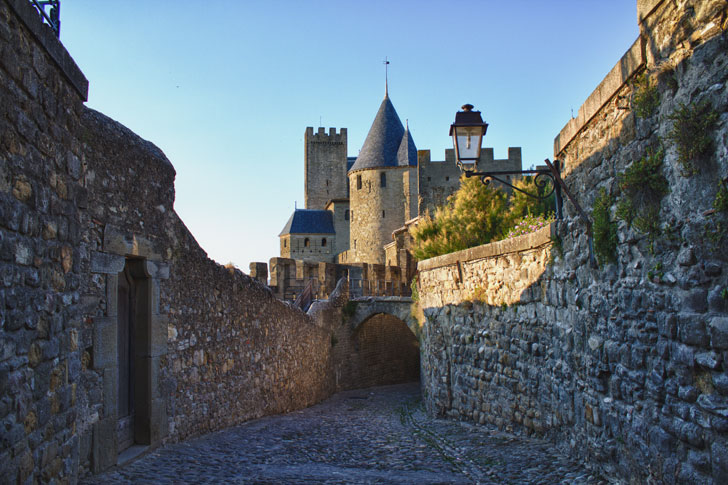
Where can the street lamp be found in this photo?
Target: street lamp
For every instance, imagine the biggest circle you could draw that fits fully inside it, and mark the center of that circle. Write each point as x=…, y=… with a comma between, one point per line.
x=467, y=136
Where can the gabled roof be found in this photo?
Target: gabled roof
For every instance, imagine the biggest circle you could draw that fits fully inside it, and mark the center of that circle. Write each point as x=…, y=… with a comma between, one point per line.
x=383, y=141
x=309, y=221
x=407, y=153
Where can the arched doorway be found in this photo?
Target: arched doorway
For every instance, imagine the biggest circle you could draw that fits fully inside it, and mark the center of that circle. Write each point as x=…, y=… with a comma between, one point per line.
x=387, y=350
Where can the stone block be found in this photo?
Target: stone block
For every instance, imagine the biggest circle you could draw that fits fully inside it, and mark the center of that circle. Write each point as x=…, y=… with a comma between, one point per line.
x=111, y=392
x=159, y=335
x=718, y=329
x=105, y=445
x=105, y=343
x=156, y=269
x=719, y=458
x=692, y=330
x=107, y=263
x=124, y=243
x=112, y=295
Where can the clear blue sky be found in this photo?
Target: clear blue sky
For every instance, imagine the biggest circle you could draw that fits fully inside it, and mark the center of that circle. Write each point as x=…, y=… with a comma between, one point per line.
x=226, y=88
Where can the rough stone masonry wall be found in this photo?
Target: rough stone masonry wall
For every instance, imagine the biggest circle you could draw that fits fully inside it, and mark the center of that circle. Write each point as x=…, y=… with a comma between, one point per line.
x=81, y=196
x=624, y=366
x=41, y=196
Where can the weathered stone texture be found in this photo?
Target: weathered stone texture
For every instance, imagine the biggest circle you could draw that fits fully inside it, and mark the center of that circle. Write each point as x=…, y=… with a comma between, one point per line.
x=83, y=200
x=40, y=270
x=377, y=210
x=625, y=365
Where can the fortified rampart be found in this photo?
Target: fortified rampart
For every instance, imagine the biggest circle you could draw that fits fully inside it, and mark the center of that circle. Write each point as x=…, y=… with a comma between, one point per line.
x=624, y=366
x=118, y=332
x=289, y=277
x=117, y=329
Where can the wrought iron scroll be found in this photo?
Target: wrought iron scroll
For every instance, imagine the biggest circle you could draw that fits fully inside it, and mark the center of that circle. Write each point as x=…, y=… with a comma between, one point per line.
x=53, y=16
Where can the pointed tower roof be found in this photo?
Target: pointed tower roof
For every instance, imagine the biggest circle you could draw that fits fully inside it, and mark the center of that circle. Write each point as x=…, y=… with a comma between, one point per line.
x=383, y=141
x=407, y=153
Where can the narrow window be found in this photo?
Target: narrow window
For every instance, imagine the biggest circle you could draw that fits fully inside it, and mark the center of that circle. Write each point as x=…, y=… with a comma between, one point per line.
x=346, y=215
x=354, y=243
x=327, y=182
x=306, y=242
x=429, y=179
x=447, y=179
x=323, y=242
x=284, y=243
x=383, y=179
x=358, y=182
x=382, y=214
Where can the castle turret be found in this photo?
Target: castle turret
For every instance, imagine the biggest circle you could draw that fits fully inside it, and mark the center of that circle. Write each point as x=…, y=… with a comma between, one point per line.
x=325, y=167
x=382, y=185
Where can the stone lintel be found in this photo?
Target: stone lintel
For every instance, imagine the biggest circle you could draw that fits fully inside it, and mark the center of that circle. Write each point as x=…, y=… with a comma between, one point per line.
x=106, y=263
x=521, y=243
x=124, y=243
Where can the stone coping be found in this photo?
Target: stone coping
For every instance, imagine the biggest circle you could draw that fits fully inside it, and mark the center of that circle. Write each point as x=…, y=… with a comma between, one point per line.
x=631, y=62
x=513, y=245
x=47, y=39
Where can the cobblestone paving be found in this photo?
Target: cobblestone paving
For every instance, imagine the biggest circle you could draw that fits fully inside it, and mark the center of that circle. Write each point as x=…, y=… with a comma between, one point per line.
x=378, y=435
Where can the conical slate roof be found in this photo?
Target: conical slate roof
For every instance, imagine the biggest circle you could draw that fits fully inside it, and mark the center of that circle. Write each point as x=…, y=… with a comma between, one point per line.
x=383, y=141
x=407, y=153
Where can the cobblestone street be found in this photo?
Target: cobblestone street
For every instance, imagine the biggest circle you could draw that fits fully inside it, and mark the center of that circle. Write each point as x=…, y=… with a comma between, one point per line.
x=377, y=435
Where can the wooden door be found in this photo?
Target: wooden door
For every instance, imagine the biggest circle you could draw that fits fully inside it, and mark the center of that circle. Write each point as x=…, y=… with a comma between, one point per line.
x=125, y=346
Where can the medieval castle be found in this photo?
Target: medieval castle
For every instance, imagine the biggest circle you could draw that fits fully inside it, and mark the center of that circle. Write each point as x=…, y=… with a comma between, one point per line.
x=356, y=206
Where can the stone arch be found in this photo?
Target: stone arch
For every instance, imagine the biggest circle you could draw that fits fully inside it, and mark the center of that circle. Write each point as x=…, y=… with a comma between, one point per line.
x=387, y=350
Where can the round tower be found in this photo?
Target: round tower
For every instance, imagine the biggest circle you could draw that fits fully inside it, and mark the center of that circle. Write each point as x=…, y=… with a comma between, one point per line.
x=382, y=185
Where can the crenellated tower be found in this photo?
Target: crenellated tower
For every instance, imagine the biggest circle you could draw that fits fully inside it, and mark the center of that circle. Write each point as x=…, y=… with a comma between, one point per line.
x=324, y=166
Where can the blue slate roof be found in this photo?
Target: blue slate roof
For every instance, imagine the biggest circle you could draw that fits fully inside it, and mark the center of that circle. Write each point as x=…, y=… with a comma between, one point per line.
x=309, y=221
x=383, y=142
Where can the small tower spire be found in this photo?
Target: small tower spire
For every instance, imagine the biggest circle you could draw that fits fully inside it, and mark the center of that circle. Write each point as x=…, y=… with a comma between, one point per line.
x=386, y=76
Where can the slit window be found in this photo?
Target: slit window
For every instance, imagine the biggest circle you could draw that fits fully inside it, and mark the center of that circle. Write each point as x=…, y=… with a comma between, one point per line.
x=306, y=242
x=358, y=182
x=323, y=242
x=383, y=179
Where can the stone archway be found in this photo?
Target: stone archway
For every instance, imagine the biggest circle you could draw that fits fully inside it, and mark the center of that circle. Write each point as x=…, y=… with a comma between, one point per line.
x=386, y=350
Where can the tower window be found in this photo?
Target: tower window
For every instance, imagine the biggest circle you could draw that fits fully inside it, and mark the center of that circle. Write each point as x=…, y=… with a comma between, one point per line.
x=447, y=179
x=383, y=179
x=429, y=179
x=354, y=243
x=306, y=242
x=358, y=182
x=346, y=215
x=382, y=214
x=323, y=242
x=327, y=182
x=284, y=243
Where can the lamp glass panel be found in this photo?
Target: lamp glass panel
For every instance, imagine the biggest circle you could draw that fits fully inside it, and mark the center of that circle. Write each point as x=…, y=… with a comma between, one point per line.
x=468, y=140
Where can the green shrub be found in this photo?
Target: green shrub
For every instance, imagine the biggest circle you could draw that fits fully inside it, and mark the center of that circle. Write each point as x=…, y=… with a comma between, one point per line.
x=692, y=133
x=720, y=203
x=476, y=214
x=642, y=188
x=604, y=229
x=645, y=97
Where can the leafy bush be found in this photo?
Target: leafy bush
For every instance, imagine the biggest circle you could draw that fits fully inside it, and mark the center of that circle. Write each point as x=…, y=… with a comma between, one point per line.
x=643, y=186
x=476, y=214
x=645, y=97
x=604, y=229
x=721, y=198
x=691, y=132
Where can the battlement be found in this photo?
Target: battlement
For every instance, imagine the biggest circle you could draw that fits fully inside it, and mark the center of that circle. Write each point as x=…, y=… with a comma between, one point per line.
x=321, y=136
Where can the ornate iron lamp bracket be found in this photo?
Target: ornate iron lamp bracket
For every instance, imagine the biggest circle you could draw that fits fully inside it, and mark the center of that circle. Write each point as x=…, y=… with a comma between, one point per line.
x=53, y=16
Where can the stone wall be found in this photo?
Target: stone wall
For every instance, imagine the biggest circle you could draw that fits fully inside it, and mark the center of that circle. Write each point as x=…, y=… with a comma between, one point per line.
x=41, y=198
x=624, y=366
x=89, y=242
